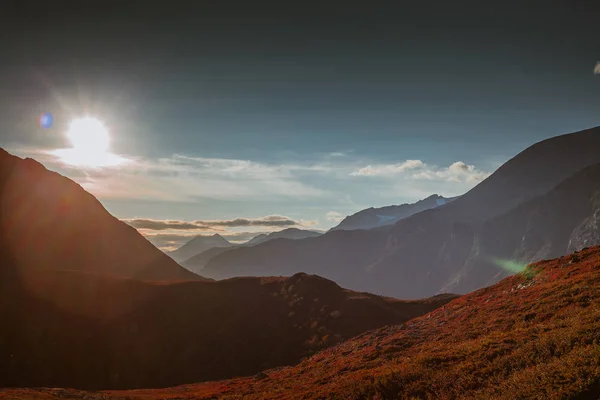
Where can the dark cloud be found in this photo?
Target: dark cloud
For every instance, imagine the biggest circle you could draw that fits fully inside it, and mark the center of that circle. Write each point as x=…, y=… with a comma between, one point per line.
x=271, y=220
x=160, y=225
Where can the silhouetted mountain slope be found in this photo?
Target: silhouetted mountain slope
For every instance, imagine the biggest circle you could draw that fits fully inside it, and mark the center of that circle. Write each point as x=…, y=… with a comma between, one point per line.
x=383, y=216
x=50, y=222
x=421, y=254
x=197, y=245
x=533, y=335
x=82, y=330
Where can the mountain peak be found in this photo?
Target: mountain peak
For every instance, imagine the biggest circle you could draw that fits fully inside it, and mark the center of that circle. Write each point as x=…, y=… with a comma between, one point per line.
x=197, y=245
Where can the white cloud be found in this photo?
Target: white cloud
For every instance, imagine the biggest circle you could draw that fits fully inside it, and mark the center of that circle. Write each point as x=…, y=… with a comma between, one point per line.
x=181, y=178
x=335, y=216
x=389, y=169
x=417, y=170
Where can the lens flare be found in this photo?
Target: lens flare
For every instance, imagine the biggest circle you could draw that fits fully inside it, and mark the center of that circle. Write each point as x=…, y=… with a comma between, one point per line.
x=509, y=265
x=46, y=120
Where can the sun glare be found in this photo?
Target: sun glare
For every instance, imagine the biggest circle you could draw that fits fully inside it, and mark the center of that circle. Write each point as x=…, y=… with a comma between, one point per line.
x=90, y=140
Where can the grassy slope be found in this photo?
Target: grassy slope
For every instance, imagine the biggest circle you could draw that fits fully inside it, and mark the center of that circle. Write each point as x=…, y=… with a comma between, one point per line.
x=533, y=335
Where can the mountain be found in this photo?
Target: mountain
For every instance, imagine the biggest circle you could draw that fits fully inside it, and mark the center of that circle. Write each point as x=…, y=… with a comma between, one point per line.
x=257, y=239
x=532, y=335
x=50, y=222
x=289, y=233
x=564, y=220
x=383, y=216
x=198, y=261
x=425, y=253
x=197, y=245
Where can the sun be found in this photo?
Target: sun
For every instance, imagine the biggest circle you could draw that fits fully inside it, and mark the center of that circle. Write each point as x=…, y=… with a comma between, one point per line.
x=88, y=135
x=90, y=140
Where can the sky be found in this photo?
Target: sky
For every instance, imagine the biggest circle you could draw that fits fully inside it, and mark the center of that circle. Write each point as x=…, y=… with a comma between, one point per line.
x=241, y=117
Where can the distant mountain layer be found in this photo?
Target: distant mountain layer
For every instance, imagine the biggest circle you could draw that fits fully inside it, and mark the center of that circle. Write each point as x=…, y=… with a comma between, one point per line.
x=377, y=217
x=533, y=335
x=289, y=233
x=49, y=222
x=198, y=262
x=197, y=245
x=440, y=249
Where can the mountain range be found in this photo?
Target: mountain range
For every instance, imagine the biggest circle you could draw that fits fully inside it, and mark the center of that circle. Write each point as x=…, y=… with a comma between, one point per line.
x=431, y=251
x=79, y=310
x=389, y=215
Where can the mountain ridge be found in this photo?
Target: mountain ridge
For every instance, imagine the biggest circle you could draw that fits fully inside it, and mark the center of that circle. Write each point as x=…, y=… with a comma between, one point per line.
x=374, y=217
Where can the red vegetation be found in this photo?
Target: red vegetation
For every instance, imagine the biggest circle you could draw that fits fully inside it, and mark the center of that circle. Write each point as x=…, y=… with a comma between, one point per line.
x=533, y=335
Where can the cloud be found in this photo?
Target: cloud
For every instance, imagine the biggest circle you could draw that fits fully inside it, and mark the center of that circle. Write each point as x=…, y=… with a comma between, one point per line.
x=160, y=225
x=597, y=69
x=180, y=178
x=418, y=170
x=456, y=172
x=388, y=169
x=335, y=216
x=199, y=225
x=270, y=220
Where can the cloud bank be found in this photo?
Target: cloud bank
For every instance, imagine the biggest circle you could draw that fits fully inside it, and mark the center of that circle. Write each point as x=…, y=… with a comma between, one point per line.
x=159, y=225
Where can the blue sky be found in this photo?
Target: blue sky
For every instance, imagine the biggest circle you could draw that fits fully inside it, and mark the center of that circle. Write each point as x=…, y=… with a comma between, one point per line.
x=295, y=118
